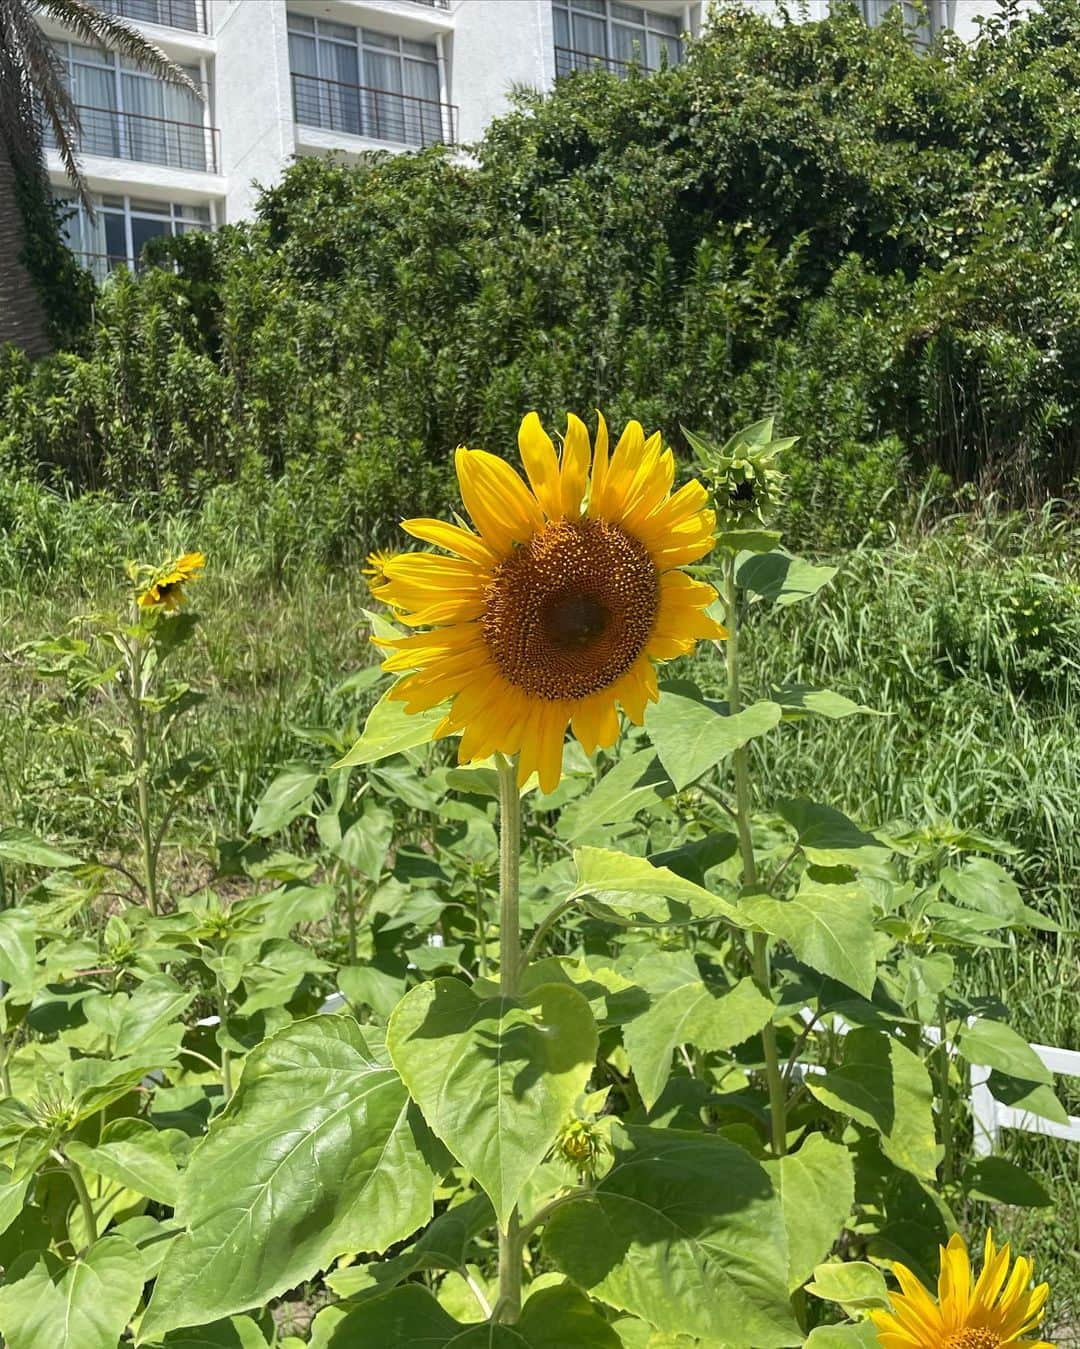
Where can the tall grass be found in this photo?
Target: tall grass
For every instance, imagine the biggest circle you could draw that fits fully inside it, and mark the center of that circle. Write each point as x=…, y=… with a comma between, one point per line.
x=966, y=637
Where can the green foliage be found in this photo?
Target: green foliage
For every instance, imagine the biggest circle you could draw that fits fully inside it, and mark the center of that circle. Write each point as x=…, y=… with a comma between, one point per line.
x=874, y=243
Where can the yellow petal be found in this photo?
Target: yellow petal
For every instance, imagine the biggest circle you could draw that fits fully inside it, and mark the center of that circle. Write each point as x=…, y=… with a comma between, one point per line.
x=541, y=465
x=575, y=466
x=454, y=539
x=502, y=507
x=600, y=457
x=596, y=721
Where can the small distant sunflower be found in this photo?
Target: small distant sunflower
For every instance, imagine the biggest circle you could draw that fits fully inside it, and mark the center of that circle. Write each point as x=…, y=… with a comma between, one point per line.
x=553, y=611
x=375, y=570
x=991, y=1312
x=165, y=589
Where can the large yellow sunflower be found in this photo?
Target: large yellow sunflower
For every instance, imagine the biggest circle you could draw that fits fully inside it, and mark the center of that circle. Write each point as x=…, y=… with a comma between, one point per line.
x=165, y=590
x=552, y=612
x=983, y=1315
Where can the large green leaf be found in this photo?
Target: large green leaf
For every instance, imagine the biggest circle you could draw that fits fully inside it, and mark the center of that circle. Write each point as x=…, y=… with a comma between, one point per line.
x=886, y=1087
x=17, y=950
x=633, y=889
x=685, y=1231
x=21, y=847
x=829, y=927
x=781, y=578
x=389, y=729
x=134, y=1154
x=320, y=1153
x=691, y=735
x=995, y=1045
x=854, y=1285
x=828, y=837
x=1000, y=1181
x=495, y=1077
x=860, y=1335
x=288, y=796
x=635, y=783
x=683, y=1011
x=409, y=1317
x=817, y=1191
x=800, y=700
x=234, y=1332
x=49, y=1303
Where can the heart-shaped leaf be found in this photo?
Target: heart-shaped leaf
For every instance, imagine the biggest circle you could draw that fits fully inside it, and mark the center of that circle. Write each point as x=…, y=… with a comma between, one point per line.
x=495, y=1077
x=46, y=1302
x=320, y=1153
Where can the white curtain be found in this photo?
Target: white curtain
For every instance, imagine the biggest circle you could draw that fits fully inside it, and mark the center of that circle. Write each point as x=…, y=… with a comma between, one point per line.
x=384, y=118
x=93, y=88
x=423, y=124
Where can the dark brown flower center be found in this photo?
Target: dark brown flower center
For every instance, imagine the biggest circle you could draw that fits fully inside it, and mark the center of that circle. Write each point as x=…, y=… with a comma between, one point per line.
x=569, y=612
x=973, y=1339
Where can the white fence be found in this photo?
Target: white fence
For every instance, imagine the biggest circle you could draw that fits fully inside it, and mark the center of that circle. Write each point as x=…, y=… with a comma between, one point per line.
x=990, y=1116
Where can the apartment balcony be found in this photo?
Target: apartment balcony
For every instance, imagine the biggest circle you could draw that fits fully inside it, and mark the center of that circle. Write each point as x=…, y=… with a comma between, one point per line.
x=567, y=60
x=374, y=114
x=189, y=15
x=142, y=139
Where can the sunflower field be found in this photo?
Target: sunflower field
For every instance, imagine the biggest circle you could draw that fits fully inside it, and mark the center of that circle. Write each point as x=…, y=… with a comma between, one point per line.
x=527, y=1010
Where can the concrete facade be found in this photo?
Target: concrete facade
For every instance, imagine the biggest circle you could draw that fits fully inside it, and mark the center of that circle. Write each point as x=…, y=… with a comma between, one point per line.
x=299, y=77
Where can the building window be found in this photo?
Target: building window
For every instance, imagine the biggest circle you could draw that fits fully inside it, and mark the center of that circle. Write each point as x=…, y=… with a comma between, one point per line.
x=122, y=226
x=365, y=83
x=126, y=113
x=613, y=35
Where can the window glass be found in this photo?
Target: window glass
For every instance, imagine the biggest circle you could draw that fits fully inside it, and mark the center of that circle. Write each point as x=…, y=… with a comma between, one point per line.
x=302, y=55
x=151, y=207
x=115, y=236
x=663, y=50
x=93, y=56
x=340, y=31
x=590, y=35
x=593, y=6
x=628, y=44
x=300, y=23
x=665, y=23
x=628, y=13
x=373, y=39
x=426, y=51
x=144, y=229
x=562, y=28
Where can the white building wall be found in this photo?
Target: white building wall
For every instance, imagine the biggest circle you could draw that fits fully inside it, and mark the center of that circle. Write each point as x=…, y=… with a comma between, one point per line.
x=497, y=45
x=253, y=97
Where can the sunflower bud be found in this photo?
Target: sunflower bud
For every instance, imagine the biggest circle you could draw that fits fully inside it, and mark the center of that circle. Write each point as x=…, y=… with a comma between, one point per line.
x=746, y=484
x=581, y=1144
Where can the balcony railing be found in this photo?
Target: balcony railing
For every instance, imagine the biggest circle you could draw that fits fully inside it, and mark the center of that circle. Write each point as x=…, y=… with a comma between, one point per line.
x=375, y=113
x=188, y=14
x=568, y=59
x=147, y=140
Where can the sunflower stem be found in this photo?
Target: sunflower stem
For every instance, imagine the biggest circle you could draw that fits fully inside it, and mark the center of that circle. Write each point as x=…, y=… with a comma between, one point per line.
x=141, y=766
x=760, y=942
x=945, y=1088
x=508, y=1306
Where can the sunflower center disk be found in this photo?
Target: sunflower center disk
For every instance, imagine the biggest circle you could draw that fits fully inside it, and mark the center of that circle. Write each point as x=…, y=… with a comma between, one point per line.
x=973, y=1339
x=569, y=612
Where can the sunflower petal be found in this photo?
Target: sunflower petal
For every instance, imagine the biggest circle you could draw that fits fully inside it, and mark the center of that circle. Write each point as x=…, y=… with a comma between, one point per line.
x=541, y=464
x=575, y=466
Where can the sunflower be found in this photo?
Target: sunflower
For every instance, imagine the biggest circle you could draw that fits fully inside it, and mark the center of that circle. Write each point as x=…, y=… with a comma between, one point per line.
x=551, y=612
x=375, y=570
x=992, y=1312
x=165, y=590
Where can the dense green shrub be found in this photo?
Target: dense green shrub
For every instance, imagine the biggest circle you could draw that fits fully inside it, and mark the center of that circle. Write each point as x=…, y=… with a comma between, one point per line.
x=875, y=244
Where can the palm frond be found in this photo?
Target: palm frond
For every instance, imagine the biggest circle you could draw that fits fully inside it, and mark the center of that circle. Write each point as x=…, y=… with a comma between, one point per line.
x=105, y=30
x=33, y=73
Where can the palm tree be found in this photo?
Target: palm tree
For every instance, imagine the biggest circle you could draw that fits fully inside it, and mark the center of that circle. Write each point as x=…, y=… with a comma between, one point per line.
x=33, y=94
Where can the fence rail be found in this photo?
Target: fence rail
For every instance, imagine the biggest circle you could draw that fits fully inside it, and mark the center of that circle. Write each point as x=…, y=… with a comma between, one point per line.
x=146, y=140
x=569, y=59
x=187, y=14
x=379, y=114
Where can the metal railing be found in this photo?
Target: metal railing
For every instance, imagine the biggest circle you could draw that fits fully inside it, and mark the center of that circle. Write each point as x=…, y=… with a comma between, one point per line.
x=187, y=14
x=378, y=114
x=147, y=140
x=569, y=59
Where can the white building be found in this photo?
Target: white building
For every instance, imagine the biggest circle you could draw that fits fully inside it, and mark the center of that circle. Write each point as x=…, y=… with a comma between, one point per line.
x=300, y=77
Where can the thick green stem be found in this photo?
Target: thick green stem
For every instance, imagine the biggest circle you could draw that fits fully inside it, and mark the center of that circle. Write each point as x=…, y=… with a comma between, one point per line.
x=760, y=944
x=508, y=1306
x=226, y=1057
x=945, y=1088
x=141, y=768
x=5, y=1072
x=85, y=1202
x=350, y=901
